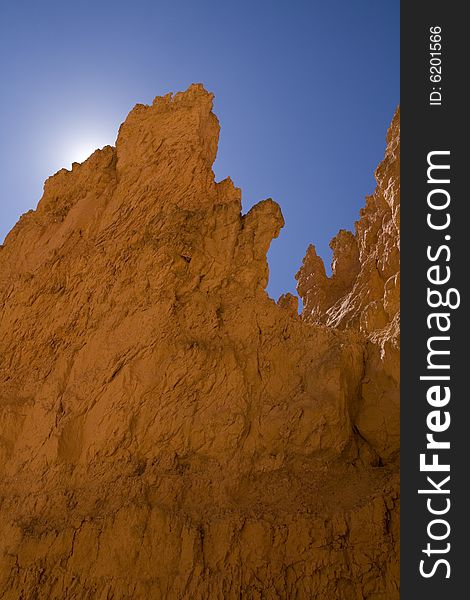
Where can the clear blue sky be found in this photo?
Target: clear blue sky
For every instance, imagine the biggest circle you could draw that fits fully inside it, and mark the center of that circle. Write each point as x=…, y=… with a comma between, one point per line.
x=305, y=91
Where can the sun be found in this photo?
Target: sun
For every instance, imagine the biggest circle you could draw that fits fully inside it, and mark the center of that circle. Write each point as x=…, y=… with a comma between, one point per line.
x=83, y=150
x=77, y=146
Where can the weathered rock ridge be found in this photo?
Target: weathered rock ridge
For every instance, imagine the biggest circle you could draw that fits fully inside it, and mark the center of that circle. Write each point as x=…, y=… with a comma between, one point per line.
x=166, y=429
x=363, y=294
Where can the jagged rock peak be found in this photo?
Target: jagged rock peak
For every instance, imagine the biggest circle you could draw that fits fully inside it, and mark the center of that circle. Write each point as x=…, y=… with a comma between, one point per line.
x=167, y=430
x=363, y=290
x=363, y=294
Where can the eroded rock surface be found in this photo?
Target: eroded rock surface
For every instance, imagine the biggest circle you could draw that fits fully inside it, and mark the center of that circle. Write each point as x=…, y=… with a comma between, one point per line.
x=363, y=294
x=166, y=429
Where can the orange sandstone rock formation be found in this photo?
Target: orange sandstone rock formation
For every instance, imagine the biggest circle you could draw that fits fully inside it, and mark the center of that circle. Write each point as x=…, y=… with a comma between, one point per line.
x=167, y=431
x=363, y=294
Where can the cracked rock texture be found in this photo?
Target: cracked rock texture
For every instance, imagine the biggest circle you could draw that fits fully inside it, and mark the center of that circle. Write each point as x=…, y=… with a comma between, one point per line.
x=167, y=431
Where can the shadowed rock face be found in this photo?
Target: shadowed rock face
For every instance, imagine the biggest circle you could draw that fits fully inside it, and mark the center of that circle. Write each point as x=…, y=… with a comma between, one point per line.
x=363, y=294
x=166, y=429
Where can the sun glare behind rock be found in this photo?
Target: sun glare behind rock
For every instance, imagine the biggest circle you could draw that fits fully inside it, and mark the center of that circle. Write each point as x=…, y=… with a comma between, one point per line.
x=81, y=151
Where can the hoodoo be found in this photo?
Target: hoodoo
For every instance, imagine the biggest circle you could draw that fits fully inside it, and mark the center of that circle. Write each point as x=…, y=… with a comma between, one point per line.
x=167, y=430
